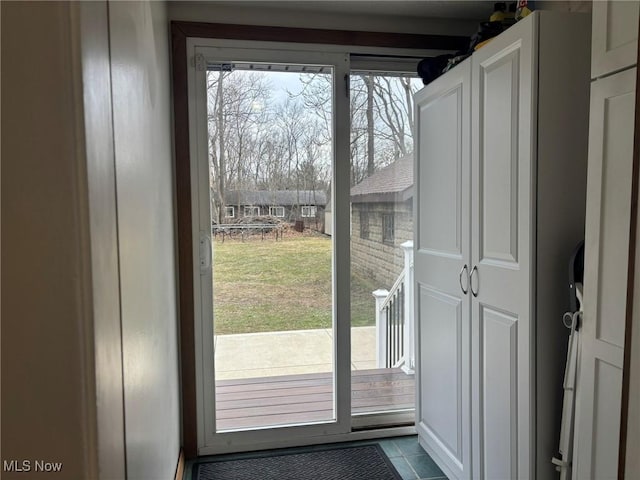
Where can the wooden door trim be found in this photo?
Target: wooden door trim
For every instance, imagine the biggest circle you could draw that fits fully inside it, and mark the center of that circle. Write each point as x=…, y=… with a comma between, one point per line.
x=184, y=240
x=631, y=267
x=319, y=36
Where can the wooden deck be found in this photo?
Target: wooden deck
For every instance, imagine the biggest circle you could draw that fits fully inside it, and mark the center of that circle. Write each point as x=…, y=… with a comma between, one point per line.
x=261, y=402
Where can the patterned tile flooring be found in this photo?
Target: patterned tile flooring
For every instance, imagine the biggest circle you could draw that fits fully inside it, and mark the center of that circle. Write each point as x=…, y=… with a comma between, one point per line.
x=410, y=460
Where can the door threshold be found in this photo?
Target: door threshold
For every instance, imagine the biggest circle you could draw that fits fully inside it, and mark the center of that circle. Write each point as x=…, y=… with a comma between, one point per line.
x=363, y=434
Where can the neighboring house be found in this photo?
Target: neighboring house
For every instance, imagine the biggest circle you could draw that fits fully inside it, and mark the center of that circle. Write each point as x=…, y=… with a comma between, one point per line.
x=289, y=205
x=381, y=220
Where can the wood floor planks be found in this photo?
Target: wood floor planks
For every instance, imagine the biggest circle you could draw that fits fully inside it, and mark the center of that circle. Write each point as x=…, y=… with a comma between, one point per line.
x=266, y=401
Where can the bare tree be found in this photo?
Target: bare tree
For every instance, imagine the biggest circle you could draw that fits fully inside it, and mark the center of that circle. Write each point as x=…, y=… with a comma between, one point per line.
x=395, y=108
x=368, y=81
x=381, y=117
x=258, y=140
x=237, y=106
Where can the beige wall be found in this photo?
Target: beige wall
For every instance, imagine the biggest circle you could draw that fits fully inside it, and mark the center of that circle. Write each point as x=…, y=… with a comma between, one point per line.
x=144, y=166
x=92, y=31
x=89, y=320
x=565, y=5
x=290, y=17
x=48, y=394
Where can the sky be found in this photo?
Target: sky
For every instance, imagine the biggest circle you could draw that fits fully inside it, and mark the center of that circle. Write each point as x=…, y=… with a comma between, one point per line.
x=283, y=82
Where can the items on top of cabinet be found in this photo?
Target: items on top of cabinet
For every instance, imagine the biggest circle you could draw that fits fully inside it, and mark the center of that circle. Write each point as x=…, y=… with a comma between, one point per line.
x=502, y=14
x=431, y=68
x=510, y=16
x=499, y=12
x=523, y=9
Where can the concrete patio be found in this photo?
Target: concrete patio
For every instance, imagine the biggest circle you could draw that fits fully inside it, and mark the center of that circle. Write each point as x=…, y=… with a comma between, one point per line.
x=269, y=354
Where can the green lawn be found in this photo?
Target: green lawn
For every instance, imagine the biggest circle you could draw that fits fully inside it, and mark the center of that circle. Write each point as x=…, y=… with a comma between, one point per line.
x=263, y=286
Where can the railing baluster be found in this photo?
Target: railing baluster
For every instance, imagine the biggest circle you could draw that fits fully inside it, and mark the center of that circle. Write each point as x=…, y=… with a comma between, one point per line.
x=393, y=331
x=390, y=327
x=389, y=337
x=401, y=318
x=394, y=319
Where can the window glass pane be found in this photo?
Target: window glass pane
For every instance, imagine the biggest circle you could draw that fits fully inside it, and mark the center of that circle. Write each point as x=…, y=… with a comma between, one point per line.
x=276, y=211
x=381, y=225
x=387, y=228
x=364, y=223
x=270, y=160
x=251, y=211
x=309, y=211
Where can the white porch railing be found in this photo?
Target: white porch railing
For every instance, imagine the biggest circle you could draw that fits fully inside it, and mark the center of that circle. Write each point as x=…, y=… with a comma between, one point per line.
x=394, y=319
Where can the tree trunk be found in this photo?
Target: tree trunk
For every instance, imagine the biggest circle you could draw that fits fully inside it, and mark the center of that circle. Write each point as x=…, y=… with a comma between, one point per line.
x=368, y=80
x=408, y=94
x=221, y=159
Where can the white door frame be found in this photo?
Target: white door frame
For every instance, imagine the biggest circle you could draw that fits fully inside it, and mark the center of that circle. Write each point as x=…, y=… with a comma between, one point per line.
x=201, y=52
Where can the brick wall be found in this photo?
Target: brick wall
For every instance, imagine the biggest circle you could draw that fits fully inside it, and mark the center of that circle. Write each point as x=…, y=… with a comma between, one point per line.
x=371, y=257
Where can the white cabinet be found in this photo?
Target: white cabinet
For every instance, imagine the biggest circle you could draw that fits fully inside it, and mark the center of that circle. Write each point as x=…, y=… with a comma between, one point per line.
x=500, y=201
x=615, y=36
x=611, y=136
x=605, y=283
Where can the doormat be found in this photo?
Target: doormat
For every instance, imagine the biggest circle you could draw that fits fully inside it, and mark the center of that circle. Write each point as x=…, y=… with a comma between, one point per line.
x=367, y=462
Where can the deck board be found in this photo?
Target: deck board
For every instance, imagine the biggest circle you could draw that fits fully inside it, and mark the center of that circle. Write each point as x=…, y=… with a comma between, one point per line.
x=289, y=399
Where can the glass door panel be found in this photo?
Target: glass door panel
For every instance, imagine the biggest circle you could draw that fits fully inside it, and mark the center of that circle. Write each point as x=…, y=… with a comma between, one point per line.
x=381, y=202
x=270, y=150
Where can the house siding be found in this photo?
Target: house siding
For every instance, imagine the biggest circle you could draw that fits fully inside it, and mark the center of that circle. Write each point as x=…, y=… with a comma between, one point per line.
x=292, y=202
x=371, y=258
x=291, y=214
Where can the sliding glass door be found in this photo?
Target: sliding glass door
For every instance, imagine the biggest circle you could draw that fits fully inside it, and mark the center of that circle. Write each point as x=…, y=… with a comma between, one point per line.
x=269, y=145
x=301, y=181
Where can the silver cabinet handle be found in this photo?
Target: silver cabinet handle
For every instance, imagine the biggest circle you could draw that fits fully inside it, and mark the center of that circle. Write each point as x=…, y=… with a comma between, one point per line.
x=473, y=270
x=460, y=279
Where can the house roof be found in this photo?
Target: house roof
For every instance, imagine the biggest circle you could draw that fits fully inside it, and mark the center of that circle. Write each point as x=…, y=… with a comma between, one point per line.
x=393, y=183
x=276, y=197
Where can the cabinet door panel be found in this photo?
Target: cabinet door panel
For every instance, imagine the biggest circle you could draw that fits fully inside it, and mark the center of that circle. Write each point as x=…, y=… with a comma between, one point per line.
x=440, y=369
x=442, y=170
x=605, y=283
x=499, y=365
x=503, y=147
x=615, y=36
x=498, y=161
x=440, y=179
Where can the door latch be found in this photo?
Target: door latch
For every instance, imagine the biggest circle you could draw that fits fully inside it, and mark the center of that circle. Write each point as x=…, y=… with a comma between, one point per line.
x=205, y=253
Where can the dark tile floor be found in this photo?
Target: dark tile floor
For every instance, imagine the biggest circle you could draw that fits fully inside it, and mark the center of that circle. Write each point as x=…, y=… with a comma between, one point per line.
x=411, y=461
